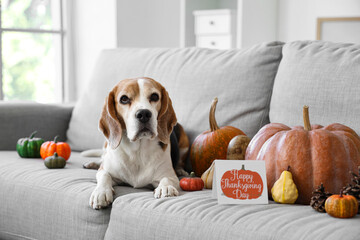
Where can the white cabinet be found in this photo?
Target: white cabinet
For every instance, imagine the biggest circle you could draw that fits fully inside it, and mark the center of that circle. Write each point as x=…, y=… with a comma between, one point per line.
x=213, y=41
x=215, y=28
x=213, y=24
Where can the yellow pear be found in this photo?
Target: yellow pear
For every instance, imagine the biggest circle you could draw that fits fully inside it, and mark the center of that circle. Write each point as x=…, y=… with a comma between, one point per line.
x=284, y=189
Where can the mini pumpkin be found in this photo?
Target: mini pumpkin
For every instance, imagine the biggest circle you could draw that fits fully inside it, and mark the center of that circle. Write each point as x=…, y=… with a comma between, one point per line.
x=315, y=153
x=50, y=147
x=29, y=147
x=55, y=161
x=191, y=183
x=211, y=144
x=341, y=206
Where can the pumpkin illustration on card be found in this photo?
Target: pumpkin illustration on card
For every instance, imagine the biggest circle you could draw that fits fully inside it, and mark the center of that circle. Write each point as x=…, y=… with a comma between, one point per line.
x=239, y=182
x=242, y=184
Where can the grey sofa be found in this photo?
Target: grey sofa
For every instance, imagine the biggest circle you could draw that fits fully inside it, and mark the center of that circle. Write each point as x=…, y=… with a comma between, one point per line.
x=269, y=82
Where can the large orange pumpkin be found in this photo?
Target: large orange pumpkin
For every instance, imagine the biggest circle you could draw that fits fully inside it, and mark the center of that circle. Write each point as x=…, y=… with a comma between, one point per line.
x=50, y=147
x=211, y=144
x=315, y=153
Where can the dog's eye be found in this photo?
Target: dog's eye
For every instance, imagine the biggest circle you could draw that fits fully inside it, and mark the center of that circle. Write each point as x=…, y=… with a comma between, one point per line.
x=124, y=99
x=154, y=97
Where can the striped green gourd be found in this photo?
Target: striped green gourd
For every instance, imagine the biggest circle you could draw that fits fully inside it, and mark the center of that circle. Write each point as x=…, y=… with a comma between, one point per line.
x=29, y=147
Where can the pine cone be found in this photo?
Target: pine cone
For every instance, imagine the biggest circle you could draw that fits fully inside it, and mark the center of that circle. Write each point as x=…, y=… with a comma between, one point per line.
x=354, y=189
x=356, y=177
x=318, y=198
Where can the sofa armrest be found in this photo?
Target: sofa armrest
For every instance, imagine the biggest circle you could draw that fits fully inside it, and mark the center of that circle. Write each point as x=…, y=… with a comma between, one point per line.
x=20, y=119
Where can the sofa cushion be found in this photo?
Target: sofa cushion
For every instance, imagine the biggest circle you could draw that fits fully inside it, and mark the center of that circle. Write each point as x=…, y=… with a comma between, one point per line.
x=41, y=203
x=242, y=79
x=323, y=75
x=194, y=215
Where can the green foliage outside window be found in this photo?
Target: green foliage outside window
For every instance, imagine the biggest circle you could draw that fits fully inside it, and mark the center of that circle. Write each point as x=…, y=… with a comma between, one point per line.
x=29, y=59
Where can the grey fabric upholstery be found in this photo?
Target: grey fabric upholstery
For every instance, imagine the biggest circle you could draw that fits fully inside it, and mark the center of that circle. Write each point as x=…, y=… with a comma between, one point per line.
x=242, y=79
x=194, y=215
x=323, y=75
x=20, y=119
x=41, y=203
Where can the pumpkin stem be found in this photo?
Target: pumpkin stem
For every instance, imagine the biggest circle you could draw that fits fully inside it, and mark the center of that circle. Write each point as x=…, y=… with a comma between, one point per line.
x=192, y=175
x=341, y=193
x=33, y=134
x=306, y=118
x=213, y=124
x=56, y=139
x=55, y=154
x=243, y=167
x=288, y=169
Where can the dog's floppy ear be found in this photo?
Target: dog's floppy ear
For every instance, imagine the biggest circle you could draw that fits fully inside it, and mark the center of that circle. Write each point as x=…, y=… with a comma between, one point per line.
x=166, y=118
x=110, y=122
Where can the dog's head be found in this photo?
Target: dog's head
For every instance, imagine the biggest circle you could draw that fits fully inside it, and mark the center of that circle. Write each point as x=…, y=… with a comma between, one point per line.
x=141, y=107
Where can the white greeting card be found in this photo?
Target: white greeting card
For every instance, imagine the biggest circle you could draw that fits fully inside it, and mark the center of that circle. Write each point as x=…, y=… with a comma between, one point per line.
x=240, y=182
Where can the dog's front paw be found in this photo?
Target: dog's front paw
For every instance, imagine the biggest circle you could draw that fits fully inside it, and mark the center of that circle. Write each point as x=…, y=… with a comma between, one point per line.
x=163, y=191
x=101, y=197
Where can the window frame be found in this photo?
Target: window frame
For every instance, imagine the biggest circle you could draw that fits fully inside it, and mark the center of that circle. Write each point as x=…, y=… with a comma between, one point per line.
x=61, y=32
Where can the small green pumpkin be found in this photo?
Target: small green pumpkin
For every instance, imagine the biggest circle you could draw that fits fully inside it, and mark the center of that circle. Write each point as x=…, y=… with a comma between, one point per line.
x=55, y=161
x=29, y=147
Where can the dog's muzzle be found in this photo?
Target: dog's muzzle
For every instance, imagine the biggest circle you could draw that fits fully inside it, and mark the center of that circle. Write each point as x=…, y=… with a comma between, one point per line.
x=144, y=125
x=143, y=115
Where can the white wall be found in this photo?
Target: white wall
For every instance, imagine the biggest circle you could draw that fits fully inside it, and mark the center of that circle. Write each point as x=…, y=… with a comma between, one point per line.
x=94, y=29
x=257, y=22
x=297, y=18
x=144, y=23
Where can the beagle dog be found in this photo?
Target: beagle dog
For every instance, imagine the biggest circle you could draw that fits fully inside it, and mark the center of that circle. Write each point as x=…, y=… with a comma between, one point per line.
x=137, y=121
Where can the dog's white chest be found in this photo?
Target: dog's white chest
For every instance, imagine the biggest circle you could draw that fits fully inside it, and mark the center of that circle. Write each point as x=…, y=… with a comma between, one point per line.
x=134, y=163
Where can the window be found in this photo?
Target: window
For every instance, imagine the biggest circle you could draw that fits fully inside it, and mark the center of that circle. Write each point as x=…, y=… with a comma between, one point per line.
x=32, y=50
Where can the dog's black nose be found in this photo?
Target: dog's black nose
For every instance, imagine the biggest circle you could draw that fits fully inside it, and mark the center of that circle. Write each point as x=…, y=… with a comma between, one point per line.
x=143, y=115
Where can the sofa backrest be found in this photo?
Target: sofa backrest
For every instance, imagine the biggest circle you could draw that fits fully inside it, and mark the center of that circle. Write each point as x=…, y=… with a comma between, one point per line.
x=20, y=119
x=242, y=79
x=323, y=75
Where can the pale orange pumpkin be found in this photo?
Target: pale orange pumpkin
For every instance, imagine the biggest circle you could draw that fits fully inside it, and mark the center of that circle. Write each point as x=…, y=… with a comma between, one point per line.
x=315, y=153
x=211, y=144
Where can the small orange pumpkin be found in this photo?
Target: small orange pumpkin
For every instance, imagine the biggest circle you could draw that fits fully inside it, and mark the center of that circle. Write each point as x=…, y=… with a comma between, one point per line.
x=211, y=144
x=315, y=153
x=50, y=147
x=191, y=183
x=341, y=206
